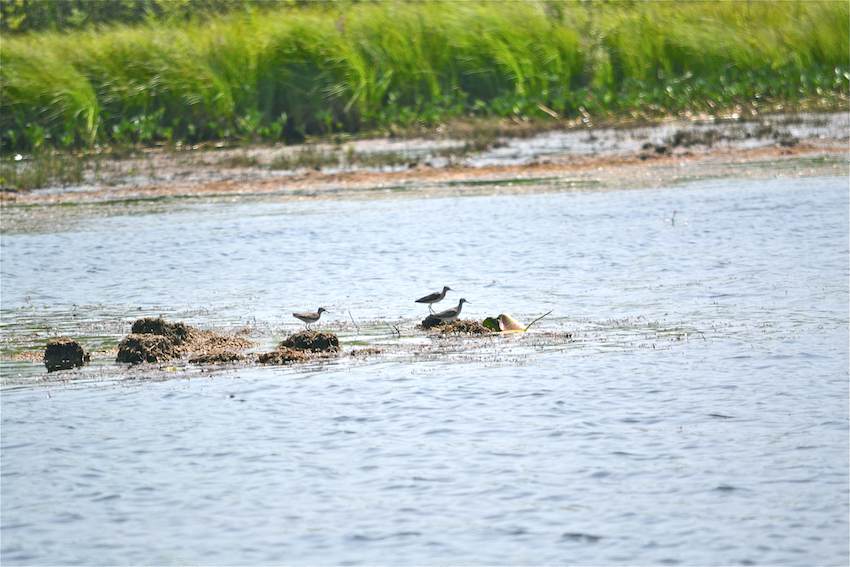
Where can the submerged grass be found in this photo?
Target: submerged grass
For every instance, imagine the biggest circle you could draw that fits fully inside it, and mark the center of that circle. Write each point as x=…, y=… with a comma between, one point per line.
x=288, y=72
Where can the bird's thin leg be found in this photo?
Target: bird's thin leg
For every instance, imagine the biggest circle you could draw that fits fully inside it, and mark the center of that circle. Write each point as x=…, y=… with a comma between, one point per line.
x=430, y=308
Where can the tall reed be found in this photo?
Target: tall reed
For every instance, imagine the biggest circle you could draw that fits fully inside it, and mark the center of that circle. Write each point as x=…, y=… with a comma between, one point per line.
x=284, y=73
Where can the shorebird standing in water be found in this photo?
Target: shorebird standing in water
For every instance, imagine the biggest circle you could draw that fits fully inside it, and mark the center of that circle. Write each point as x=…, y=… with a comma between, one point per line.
x=309, y=316
x=452, y=314
x=433, y=298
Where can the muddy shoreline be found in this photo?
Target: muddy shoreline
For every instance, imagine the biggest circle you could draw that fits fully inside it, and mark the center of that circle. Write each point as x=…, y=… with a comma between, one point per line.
x=641, y=156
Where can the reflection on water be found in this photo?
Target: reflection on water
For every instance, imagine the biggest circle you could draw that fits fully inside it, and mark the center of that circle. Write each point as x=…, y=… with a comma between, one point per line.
x=699, y=415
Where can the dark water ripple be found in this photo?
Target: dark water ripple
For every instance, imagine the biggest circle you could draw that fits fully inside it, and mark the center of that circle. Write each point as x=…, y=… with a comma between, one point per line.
x=727, y=443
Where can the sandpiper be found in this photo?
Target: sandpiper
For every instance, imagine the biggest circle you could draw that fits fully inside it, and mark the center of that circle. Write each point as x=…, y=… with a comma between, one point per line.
x=435, y=297
x=309, y=316
x=450, y=315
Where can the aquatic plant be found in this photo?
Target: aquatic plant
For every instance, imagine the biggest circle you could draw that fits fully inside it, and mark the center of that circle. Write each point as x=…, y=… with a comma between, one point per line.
x=285, y=72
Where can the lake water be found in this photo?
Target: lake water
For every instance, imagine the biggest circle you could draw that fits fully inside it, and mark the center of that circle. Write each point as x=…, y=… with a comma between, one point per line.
x=699, y=416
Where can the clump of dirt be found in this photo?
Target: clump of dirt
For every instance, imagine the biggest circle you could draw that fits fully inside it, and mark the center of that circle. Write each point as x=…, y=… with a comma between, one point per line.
x=137, y=348
x=177, y=333
x=208, y=347
x=457, y=327
x=217, y=357
x=430, y=322
x=63, y=353
x=283, y=355
x=157, y=340
x=465, y=327
x=313, y=341
x=306, y=345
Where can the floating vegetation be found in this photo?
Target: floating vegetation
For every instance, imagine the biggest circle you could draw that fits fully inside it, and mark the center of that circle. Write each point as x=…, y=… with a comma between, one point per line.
x=156, y=340
x=283, y=355
x=301, y=347
x=459, y=326
x=463, y=327
x=63, y=354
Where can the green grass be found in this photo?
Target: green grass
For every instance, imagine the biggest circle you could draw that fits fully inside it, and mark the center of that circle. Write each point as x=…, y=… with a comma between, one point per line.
x=42, y=169
x=288, y=72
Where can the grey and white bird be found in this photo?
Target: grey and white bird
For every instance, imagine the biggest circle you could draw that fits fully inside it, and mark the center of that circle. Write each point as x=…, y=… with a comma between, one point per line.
x=309, y=316
x=452, y=314
x=433, y=298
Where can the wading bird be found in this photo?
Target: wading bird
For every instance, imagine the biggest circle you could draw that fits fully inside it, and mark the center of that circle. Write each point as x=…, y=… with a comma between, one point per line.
x=435, y=297
x=309, y=316
x=450, y=315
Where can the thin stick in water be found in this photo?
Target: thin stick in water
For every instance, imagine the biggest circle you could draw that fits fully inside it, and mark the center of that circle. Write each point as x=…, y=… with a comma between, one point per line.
x=536, y=320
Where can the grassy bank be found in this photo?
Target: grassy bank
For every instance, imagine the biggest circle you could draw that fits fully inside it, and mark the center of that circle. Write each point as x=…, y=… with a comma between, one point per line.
x=283, y=73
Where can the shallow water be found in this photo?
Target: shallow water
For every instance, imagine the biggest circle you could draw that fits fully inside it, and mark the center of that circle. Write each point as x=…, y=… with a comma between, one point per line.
x=699, y=416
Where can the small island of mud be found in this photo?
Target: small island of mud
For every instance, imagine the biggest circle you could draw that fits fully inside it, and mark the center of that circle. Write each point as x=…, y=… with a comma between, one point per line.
x=157, y=340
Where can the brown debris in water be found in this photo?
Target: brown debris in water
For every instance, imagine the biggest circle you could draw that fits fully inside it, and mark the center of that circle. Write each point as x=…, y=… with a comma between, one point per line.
x=313, y=341
x=157, y=340
x=177, y=333
x=137, y=348
x=457, y=327
x=464, y=326
x=303, y=346
x=27, y=356
x=430, y=322
x=211, y=347
x=217, y=357
x=283, y=355
x=64, y=353
x=368, y=351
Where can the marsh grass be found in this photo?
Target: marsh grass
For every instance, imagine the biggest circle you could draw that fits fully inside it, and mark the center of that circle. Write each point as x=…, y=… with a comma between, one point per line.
x=287, y=72
x=308, y=157
x=42, y=169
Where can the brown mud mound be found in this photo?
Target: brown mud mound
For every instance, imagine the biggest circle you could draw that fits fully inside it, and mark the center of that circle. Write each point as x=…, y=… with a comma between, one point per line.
x=63, y=353
x=460, y=326
x=303, y=346
x=283, y=355
x=177, y=333
x=430, y=322
x=157, y=340
x=137, y=348
x=208, y=347
x=464, y=326
x=217, y=357
x=313, y=341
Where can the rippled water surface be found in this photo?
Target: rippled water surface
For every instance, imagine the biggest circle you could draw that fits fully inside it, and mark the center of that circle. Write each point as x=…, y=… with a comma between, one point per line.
x=699, y=416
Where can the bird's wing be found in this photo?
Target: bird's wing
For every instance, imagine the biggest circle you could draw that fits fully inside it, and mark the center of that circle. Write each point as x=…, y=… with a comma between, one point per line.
x=427, y=298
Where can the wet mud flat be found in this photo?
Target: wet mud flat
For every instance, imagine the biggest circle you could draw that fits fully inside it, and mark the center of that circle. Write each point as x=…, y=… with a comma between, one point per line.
x=582, y=157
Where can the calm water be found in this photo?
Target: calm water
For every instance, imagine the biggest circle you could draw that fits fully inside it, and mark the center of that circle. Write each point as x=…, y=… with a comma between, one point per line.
x=700, y=417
